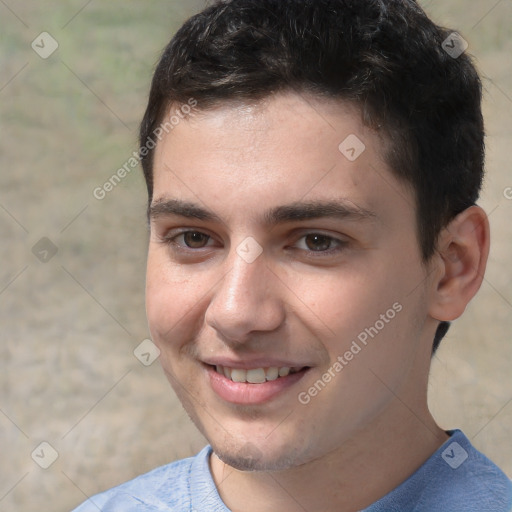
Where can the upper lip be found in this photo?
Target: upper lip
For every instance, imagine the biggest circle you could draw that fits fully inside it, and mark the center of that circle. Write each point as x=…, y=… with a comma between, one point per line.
x=247, y=364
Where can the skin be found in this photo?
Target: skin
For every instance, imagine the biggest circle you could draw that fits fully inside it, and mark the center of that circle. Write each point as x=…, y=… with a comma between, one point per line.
x=304, y=299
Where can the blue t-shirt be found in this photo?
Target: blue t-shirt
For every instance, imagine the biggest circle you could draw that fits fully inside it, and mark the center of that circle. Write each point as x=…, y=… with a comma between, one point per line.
x=456, y=478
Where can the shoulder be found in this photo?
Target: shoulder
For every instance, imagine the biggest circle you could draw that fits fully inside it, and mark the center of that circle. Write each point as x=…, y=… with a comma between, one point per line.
x=471, y=478
x=457, y=477
x=164, y=488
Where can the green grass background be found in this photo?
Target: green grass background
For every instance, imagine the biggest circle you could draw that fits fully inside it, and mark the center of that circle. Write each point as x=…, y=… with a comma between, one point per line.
x=69, y=326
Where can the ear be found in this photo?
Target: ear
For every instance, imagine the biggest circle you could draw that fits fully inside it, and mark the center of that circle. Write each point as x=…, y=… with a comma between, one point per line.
x=462, y=252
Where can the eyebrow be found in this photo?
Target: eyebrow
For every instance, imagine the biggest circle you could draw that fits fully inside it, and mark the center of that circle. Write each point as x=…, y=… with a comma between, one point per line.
x=342, y=209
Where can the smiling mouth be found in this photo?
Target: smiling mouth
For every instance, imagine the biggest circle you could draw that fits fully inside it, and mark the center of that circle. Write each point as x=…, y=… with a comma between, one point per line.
x=257, y=375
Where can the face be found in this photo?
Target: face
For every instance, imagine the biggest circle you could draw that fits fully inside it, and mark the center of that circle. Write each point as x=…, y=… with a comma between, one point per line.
x=285, y=287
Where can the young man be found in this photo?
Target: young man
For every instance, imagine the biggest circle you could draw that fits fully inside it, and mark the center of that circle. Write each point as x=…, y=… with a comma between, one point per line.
x=312, y=169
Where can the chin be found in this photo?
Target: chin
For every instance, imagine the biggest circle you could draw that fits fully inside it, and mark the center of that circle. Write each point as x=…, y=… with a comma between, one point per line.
x=249, y=457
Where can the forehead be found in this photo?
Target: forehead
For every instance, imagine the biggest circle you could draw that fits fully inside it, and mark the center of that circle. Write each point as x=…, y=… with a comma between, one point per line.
x=286, y=149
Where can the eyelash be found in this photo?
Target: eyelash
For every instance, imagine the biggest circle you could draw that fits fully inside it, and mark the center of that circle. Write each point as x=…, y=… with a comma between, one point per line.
x=170, y=240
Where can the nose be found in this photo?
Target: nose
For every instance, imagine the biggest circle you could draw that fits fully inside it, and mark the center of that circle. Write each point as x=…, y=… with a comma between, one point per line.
x=246, y=300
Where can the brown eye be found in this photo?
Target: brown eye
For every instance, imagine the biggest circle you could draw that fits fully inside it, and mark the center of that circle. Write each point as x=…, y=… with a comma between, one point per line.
x=317, y=245
x=195, y=240
x=316, y=242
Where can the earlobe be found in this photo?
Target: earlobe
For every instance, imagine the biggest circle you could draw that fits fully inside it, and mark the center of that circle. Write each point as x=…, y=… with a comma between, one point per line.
x=463, y=250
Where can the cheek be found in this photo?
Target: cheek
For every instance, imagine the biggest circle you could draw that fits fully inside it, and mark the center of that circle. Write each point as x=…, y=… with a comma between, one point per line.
x=169, y=299
x=365, y=302
x=344, y=301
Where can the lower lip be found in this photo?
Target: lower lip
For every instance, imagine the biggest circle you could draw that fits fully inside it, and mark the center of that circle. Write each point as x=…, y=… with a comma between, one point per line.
x=244, y=393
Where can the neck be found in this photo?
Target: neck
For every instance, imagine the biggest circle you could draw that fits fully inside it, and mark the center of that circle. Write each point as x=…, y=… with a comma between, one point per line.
x=370, y=464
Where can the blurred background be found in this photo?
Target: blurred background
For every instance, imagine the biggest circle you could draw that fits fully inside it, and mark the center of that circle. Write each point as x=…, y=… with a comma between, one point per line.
x=74, y=78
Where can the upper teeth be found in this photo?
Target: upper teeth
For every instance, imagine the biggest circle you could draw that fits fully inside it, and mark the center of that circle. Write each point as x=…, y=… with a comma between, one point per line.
x=254, y=375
